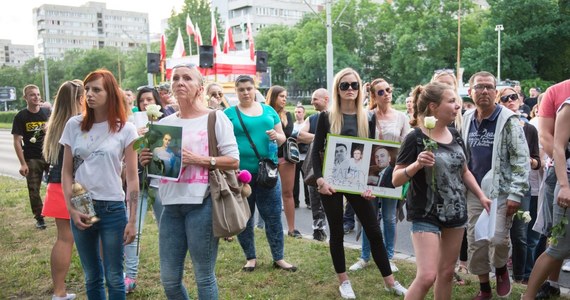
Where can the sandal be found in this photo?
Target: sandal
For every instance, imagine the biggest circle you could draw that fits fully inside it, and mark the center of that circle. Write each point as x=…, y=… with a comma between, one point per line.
x=462, y=269
x=229, y=239
x=458, y=280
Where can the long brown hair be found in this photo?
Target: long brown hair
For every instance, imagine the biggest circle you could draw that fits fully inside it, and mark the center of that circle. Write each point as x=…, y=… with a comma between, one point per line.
x=116, y=114
x=272, y=95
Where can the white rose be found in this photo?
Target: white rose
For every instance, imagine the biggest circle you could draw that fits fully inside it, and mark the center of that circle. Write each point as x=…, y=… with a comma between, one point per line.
x=526, y=217
x=429, y=122
x=33, y=140
x=153, y=111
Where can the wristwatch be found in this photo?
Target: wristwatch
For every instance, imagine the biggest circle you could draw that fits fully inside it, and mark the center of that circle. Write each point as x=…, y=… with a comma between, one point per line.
x=212, y=162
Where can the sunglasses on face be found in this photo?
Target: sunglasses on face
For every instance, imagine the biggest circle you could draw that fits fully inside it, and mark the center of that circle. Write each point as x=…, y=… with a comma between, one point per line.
x=511, y=97
x=482, y=87
x=384, y=92
x=216, y=94
x=343, y=86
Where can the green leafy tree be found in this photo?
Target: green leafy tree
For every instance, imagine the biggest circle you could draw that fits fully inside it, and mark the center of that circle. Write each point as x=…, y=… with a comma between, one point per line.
x=277, y=40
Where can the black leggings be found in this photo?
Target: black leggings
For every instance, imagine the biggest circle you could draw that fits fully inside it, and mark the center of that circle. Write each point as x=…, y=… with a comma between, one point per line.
x=364, y=210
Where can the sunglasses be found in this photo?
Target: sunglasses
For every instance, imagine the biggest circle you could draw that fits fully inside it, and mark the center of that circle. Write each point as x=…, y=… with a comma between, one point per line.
x=384, y=92
x=343, y=86
x=146, y=87
x=511, y=97
x=444, y=71
x=185, y=66
x=218, y=94
x=482, y=87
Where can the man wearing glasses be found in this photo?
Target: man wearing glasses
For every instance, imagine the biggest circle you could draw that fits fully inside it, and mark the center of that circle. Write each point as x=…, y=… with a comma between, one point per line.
x=498, y=158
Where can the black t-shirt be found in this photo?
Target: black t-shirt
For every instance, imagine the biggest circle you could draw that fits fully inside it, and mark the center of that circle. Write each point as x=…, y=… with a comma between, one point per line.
x=28, y=125
x=446, y=206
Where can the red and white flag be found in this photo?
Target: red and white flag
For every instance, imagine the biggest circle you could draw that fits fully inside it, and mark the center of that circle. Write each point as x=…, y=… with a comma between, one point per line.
x=189, y=26
x=179, y=51
x=229, y=39
x=198, y=36
x=250, y=38
x=214, y=35
x=162, y=47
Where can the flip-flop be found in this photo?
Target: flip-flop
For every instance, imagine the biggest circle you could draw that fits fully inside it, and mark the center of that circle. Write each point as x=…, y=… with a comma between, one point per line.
x=458, y=280
x=462, y=269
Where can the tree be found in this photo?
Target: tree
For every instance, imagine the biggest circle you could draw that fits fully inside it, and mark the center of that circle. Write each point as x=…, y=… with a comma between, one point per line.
x=277, y=41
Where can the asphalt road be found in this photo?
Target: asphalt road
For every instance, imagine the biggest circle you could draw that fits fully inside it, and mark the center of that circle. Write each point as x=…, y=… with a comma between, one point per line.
x=9, y=166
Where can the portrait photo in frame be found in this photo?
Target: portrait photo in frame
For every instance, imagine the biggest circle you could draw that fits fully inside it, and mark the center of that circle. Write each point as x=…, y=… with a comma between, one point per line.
x=354, y=165
x=165, y=146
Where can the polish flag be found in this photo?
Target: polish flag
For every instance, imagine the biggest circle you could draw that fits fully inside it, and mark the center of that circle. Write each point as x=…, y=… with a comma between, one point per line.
x=189, y=27
x=214, y=35
x=179, y=51
x=250, y=38
x=229, y=39
x=198, y=36
x=162, y=47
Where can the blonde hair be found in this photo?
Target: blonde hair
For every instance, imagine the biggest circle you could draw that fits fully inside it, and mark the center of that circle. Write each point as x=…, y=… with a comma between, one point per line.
x=65, y=106
x=335, y=116
x=438, y=75
x=271, y=98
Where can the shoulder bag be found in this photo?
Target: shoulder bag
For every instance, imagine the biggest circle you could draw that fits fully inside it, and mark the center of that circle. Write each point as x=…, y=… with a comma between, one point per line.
x=267, y=173
x=308, y=171
x=291, y=151
x=230, y=210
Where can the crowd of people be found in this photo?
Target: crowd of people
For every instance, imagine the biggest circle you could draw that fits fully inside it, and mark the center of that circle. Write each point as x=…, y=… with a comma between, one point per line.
x=458, y=160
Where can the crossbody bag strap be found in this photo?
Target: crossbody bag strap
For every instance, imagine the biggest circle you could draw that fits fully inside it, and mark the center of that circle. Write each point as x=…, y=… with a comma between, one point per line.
x=212, y=141
x=247, y=133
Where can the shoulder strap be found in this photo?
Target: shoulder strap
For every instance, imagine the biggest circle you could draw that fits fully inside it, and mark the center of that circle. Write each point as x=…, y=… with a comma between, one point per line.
x=212, y=141
x=247, y=133
x=372, y=125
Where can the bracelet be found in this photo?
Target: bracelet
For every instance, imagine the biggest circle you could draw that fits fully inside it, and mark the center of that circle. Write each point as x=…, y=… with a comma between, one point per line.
x=406, y=173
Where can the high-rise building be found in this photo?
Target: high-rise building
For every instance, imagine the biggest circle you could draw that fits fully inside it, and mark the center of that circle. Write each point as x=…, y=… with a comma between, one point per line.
x=14, y=55
x=265, y=13
x=92, y=25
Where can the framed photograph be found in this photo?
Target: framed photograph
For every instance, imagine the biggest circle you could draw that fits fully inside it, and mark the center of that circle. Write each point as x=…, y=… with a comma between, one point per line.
x=165, y=145
x=354, y=165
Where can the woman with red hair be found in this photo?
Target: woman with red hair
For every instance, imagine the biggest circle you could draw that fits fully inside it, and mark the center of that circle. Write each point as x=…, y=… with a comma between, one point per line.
x=95, y=145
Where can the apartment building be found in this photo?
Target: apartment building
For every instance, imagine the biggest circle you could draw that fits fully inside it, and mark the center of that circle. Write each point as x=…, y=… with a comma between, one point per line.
x=91, y=25
x=14, y=55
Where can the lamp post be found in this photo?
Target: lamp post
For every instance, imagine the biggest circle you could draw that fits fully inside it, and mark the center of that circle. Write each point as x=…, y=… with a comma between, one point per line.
x=498, y=29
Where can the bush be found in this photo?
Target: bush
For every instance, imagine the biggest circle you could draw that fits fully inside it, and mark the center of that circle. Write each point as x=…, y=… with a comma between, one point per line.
x=7, y=116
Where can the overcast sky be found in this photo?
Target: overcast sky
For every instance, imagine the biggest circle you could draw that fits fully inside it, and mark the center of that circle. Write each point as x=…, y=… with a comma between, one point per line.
x=16, y=23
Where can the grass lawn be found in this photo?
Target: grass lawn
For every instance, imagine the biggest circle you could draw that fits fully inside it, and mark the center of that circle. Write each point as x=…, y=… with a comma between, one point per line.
x=25, y=264
x=5, y=125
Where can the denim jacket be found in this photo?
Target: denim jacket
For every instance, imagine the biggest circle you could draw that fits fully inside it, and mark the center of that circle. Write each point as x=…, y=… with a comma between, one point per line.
x=508, y=177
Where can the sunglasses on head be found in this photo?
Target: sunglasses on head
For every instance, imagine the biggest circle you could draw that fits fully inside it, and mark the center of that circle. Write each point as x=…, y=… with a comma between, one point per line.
x=511, y=97
x=146, y=87
x=384, y=92
x=343, y=86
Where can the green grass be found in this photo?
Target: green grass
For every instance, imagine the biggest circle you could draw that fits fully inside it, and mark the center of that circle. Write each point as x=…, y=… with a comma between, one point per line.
x=5, y=125
x=25, y=266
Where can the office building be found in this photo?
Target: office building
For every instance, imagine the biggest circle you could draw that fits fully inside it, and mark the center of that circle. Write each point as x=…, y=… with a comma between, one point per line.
x=91, y=25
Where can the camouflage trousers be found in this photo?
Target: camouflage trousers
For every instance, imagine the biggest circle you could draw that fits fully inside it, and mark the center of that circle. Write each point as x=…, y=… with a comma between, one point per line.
x=36, y=169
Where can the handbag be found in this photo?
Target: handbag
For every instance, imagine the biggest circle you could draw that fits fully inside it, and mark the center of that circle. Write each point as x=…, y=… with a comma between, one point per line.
x=291, y=151
x=230, y=209
x=267, y=172
x=308, y=170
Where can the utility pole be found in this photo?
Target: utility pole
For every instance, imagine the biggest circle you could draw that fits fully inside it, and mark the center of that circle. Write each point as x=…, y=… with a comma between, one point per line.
x=149, y=75
x=459, y=80
x=329, y=48
x=498, y=29
x=46, y=77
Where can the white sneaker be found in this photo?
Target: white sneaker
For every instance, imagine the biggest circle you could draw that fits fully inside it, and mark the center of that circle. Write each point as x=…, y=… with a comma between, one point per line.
x=66, y=297
x=346, y=291
x=393, y=267
x=360, y=264
x=398, y=289
x=566, y=267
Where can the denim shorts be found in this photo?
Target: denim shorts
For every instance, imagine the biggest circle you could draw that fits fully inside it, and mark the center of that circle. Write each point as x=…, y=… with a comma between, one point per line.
x=420, y=226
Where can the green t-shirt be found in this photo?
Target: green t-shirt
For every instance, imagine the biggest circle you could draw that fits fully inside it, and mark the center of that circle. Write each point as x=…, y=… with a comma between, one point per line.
x=256, y=127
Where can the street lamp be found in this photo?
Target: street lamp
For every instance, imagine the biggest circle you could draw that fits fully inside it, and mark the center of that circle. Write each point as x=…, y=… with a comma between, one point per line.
x=498, y=29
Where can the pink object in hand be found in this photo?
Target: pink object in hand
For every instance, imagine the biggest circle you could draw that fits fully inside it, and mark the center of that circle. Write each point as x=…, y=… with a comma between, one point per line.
x=244, y=176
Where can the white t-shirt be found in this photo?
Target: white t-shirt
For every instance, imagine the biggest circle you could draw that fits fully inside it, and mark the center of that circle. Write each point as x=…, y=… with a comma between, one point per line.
x=100, y=173
x=192, y=186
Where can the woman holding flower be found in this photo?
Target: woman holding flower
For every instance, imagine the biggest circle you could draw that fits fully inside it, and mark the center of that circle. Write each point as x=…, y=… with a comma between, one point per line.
x=559, y=248
x=102, y=138
x=433, y=159
x=186, y=221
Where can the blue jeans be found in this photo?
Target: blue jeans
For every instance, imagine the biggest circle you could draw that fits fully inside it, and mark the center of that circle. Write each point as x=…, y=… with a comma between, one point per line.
x=519, y=241
x=388, y=216
x=188, y=228
x=131, y=256
x=109, y=231
x=268, y=202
